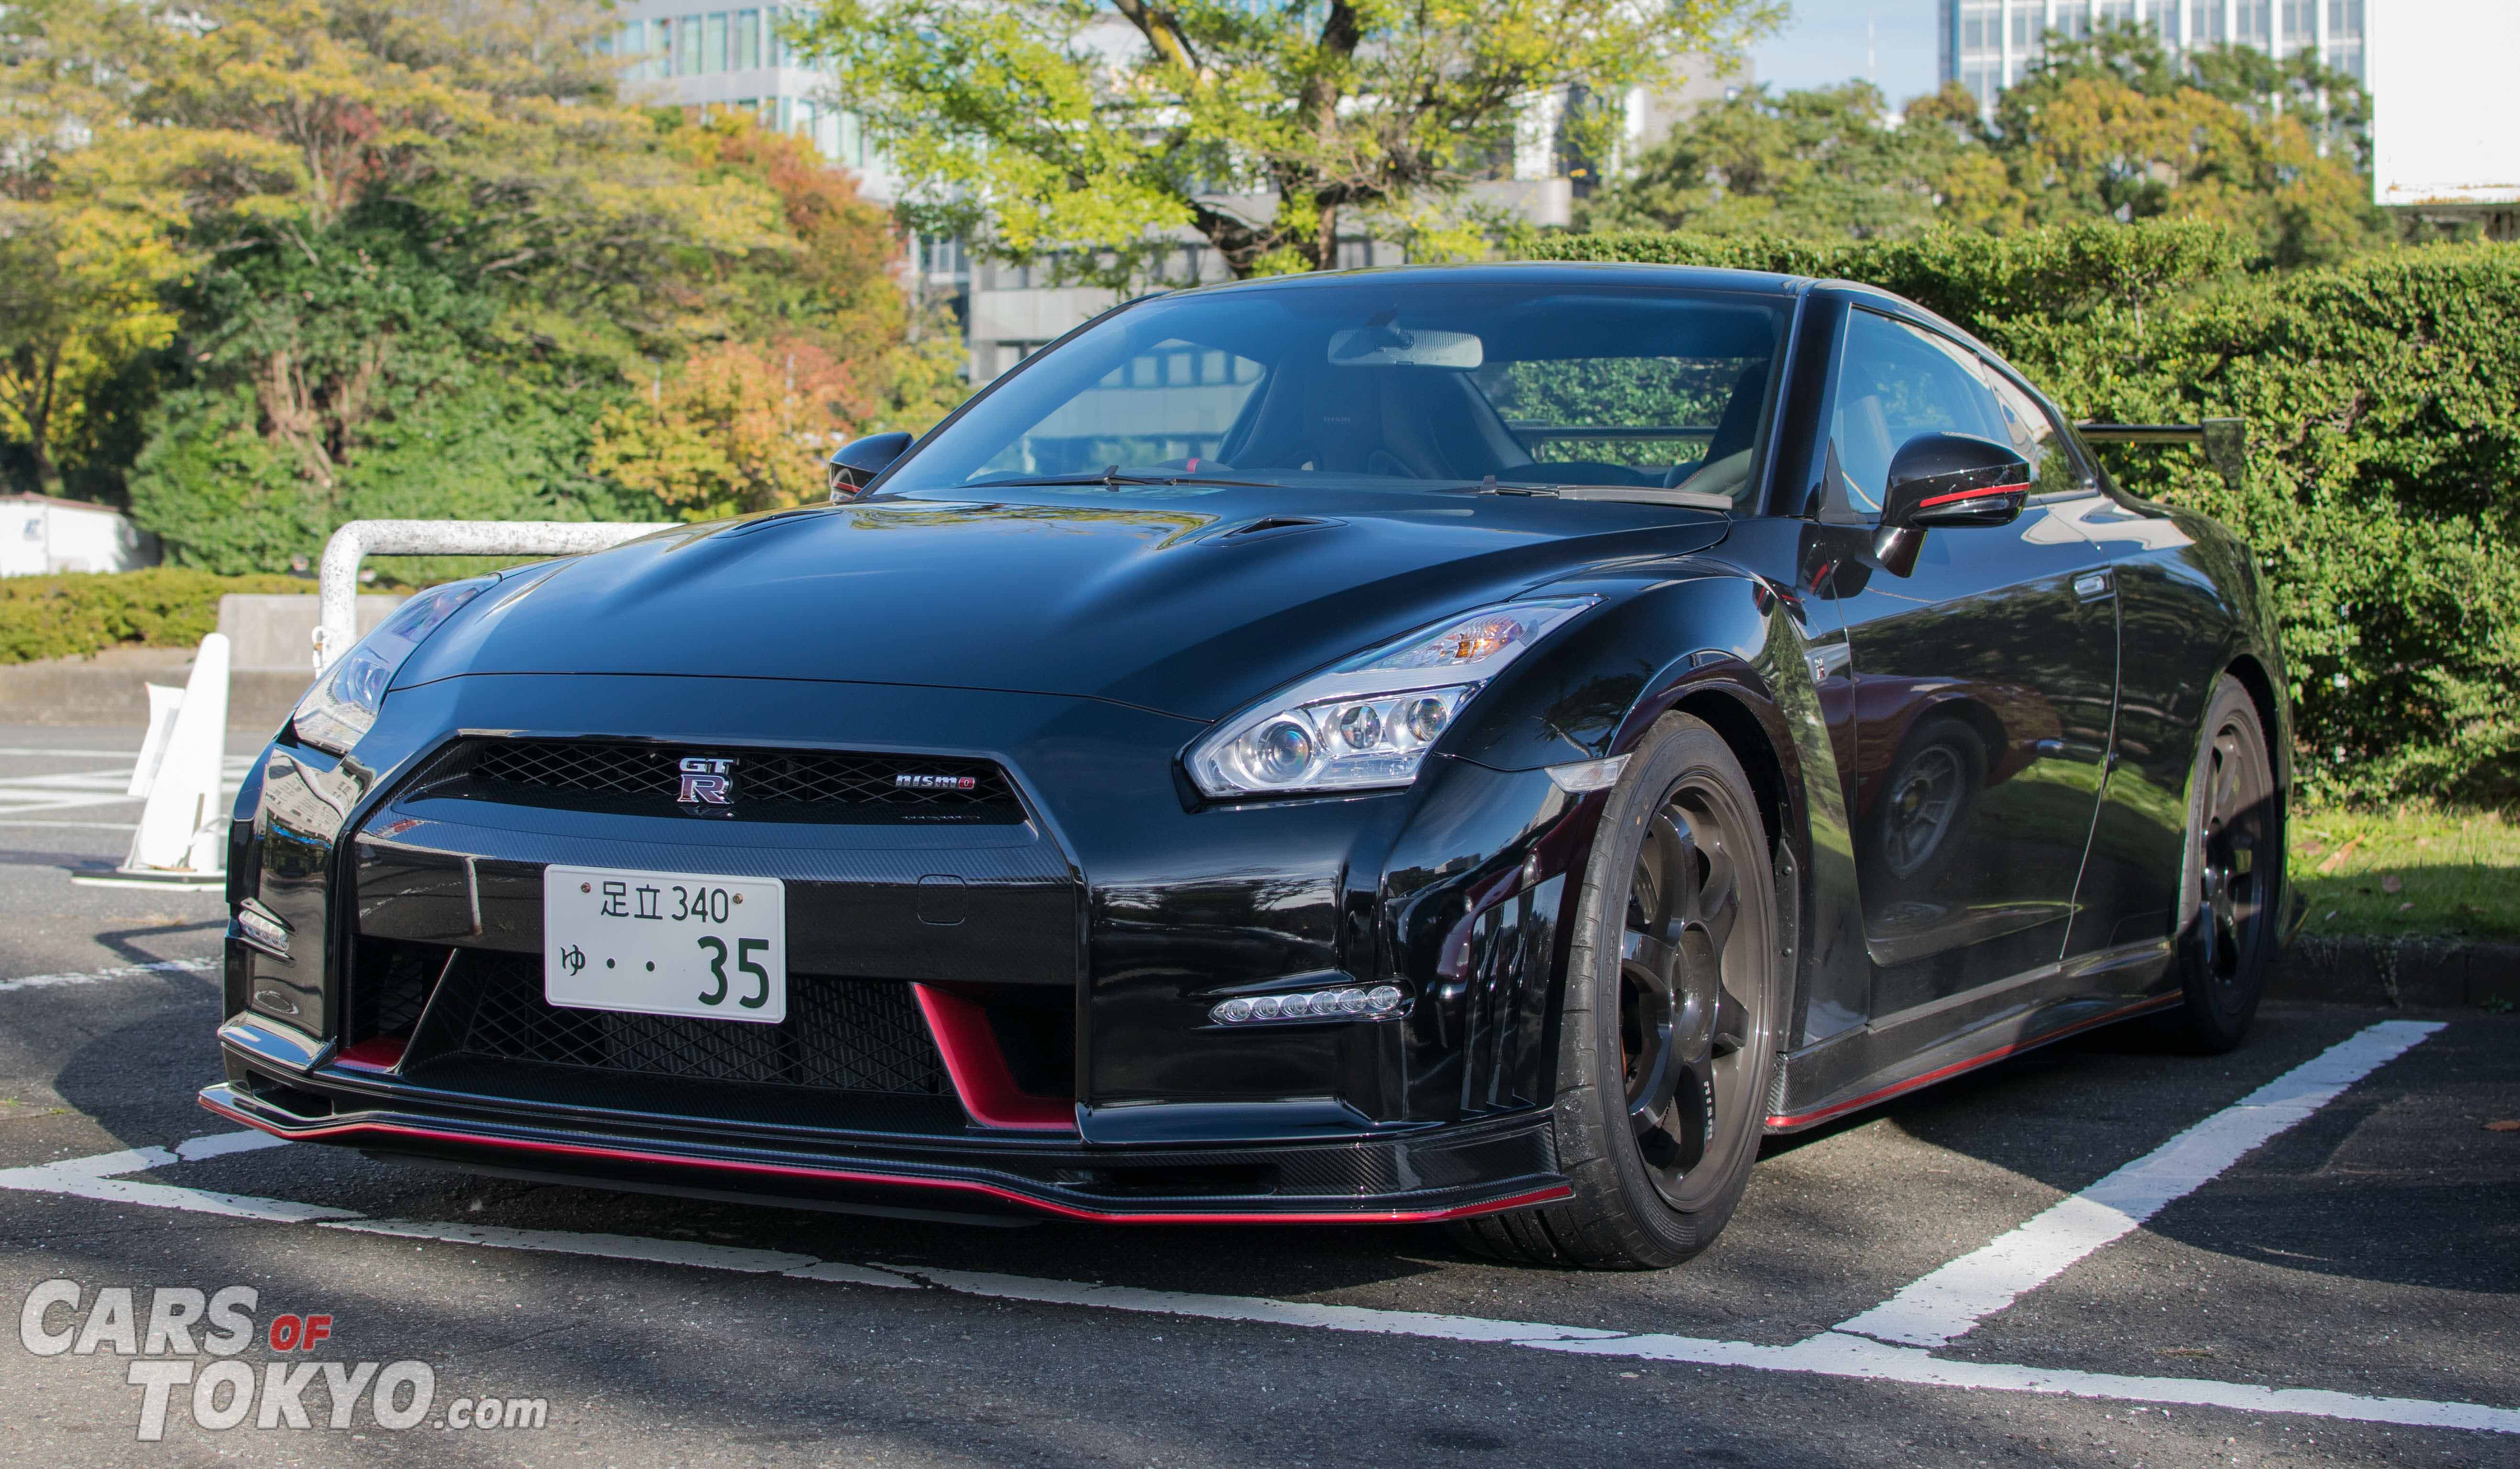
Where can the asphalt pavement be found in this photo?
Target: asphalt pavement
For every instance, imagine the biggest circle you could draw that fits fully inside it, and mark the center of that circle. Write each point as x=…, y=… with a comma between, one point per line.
x=2303, y=1252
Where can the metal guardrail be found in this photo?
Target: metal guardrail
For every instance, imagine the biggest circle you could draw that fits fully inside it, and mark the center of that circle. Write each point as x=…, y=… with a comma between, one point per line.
x=2225, y=441
x=338, y=627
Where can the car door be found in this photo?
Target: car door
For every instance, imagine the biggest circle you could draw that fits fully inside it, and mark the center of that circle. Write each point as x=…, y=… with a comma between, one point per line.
x=1980, y=686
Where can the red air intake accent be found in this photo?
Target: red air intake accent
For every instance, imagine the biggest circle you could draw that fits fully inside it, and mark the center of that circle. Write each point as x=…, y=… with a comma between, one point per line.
x=979, y=1072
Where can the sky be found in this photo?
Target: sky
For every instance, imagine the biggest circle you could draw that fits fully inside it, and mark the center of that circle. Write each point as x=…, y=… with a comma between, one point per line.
x=1825, y=42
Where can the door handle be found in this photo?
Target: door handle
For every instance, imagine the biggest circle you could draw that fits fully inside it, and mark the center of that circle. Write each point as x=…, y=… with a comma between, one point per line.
x=2091, y=586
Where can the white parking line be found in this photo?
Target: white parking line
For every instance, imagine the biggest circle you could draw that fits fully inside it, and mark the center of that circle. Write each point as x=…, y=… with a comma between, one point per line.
x=1951, y=1302
x=2172, y=1170
x=121, y=971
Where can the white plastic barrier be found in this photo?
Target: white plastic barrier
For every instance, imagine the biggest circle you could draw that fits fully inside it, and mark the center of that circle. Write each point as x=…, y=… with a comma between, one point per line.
x=182, y=840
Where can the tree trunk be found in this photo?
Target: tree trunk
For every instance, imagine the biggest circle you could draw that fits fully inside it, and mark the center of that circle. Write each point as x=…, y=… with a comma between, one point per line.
x=1326, y=239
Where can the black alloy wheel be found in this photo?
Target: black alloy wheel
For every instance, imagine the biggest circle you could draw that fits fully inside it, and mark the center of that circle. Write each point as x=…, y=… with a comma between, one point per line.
x=1669, y=1031
x=2233, y=874
x=1681, y=1031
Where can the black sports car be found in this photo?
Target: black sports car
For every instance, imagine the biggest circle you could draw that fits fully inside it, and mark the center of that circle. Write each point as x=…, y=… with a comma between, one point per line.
x=1477, y=744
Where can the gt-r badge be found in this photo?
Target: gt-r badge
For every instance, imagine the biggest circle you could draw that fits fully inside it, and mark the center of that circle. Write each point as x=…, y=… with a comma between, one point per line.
x=706, y=782
x=935, y=782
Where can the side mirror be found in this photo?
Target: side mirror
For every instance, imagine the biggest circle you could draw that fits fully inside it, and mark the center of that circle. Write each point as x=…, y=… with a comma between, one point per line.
x=1941, y=479
x=856, y=463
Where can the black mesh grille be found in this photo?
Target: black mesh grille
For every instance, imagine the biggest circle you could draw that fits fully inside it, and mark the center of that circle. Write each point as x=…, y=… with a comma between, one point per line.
x=818, y=780
x=390, y=983
x=840, y=1034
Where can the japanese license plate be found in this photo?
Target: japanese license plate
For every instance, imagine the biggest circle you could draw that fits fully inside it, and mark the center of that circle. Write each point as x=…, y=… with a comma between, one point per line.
x=666, y=942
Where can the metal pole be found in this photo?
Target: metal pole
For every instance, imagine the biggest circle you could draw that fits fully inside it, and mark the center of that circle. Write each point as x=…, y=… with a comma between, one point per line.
x=338, y=586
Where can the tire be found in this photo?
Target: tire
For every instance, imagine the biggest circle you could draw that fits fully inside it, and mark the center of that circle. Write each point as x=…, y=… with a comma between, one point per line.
x=2231, y=876
x=1668, y=1035
x=1922, y=808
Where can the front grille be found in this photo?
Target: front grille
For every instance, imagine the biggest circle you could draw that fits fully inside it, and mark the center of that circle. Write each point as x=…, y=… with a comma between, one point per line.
x=808, y=784
x=840, y=1034
x=390, y=983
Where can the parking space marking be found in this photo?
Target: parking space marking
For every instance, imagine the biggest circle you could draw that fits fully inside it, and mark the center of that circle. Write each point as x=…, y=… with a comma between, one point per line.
x=119, y=972
x=2135, y=1192
x=70, y=791
x=1951, y=1302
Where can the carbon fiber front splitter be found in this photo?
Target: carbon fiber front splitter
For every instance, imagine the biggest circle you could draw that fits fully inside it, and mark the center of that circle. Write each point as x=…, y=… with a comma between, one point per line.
x=1108, y=1185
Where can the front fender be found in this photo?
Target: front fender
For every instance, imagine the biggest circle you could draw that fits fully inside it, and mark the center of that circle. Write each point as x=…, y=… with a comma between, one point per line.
x=1712, y=638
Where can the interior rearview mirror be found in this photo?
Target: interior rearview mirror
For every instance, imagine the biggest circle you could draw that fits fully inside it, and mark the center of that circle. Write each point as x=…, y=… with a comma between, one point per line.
x=1382, y=343
x=856, y=463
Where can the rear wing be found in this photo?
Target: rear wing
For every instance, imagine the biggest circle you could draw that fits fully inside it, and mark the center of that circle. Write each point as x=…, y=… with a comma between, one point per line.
x=2226, y=442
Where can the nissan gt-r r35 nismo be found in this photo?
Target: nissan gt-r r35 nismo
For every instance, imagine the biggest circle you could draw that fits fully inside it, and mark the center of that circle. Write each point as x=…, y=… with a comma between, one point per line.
x=1478, y=744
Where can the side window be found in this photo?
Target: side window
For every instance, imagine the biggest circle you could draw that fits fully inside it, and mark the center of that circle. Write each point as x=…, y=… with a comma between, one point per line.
x=2032, y=435
x=1894, y=381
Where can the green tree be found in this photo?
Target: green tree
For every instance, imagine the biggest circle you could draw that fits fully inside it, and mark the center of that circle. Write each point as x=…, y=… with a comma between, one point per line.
x=2112, y=126
x=1823, y=161
x=1065, y=127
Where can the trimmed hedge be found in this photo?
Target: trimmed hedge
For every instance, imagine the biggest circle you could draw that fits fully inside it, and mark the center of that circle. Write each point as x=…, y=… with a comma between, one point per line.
x=2384, y=432
x=83, y=613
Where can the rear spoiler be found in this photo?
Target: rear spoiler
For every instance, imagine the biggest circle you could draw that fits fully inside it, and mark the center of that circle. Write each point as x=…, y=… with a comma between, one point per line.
x=2226, y=442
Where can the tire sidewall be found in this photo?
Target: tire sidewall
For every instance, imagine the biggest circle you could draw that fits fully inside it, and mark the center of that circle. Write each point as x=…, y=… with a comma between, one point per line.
x=1595, y=1111
x=2218, y=1015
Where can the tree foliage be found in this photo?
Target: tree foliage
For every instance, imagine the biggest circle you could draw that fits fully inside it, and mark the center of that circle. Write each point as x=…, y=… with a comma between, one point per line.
x=1050, y=126
x=302, y=261
x=2106, y=127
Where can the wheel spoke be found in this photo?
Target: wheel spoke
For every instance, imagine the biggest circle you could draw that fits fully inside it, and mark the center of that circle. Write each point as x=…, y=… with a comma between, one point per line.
x=1650, y=960
x=1731, y=1024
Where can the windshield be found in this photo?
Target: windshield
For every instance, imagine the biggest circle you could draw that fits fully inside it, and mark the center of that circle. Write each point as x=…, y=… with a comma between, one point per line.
x=1386, y=381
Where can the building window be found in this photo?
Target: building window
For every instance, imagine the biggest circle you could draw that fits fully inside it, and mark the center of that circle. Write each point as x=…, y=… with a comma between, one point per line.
x=2256, y=20
x=687, y=46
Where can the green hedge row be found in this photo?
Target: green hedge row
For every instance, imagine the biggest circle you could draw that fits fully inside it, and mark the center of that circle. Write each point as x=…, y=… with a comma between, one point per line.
x=83, y=613
x=2384, y=428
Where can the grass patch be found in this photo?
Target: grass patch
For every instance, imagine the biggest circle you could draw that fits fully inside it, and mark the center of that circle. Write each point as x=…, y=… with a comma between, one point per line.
x=2417, y=868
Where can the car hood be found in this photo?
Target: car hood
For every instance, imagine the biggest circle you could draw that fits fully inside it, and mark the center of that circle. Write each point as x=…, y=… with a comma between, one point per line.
x=1184, y=600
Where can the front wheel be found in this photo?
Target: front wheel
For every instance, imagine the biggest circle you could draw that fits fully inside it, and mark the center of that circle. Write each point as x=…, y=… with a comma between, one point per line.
x=1668, y=1038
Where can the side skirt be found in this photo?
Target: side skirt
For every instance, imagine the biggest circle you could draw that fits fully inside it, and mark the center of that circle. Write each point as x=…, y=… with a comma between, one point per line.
x=1958, y=1034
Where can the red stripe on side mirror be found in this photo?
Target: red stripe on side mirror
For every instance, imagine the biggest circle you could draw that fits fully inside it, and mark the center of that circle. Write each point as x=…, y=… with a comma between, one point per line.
x=2001, y=489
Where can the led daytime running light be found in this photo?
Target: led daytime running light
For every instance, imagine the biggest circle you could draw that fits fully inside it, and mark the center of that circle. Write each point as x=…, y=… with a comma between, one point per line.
x=1356, y=1002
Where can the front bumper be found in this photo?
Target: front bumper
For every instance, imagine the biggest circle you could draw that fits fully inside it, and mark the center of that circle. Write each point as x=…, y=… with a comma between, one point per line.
x=1075, y=969
x=1423, y=1176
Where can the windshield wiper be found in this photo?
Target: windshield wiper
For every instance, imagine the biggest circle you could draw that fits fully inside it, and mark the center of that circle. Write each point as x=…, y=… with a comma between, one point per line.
x=1113, y=479
x=1632, y=493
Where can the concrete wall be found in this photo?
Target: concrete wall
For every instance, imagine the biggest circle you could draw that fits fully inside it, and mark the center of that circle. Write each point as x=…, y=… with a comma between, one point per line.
x=278, y=629
x=274, y=661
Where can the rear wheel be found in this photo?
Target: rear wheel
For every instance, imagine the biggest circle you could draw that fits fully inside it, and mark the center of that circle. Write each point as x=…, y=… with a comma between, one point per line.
x=1668, y=1040
x=2232, y=871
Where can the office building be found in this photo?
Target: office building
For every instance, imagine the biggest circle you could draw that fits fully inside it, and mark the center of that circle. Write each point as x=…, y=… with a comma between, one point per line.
x=1988, y=45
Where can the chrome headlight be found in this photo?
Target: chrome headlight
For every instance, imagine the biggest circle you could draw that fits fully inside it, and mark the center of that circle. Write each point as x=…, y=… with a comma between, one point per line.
x=1370, y=721
x=343, y=705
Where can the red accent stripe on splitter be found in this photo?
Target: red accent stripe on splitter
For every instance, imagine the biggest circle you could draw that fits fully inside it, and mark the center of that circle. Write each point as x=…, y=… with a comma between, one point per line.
x=888, y=1181
x=979, y=1068
x=1999, y=489
x=377, y=1054
x=1944, y=1073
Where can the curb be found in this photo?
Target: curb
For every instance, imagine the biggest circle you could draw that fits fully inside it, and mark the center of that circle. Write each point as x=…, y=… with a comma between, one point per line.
x=2409, y=972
